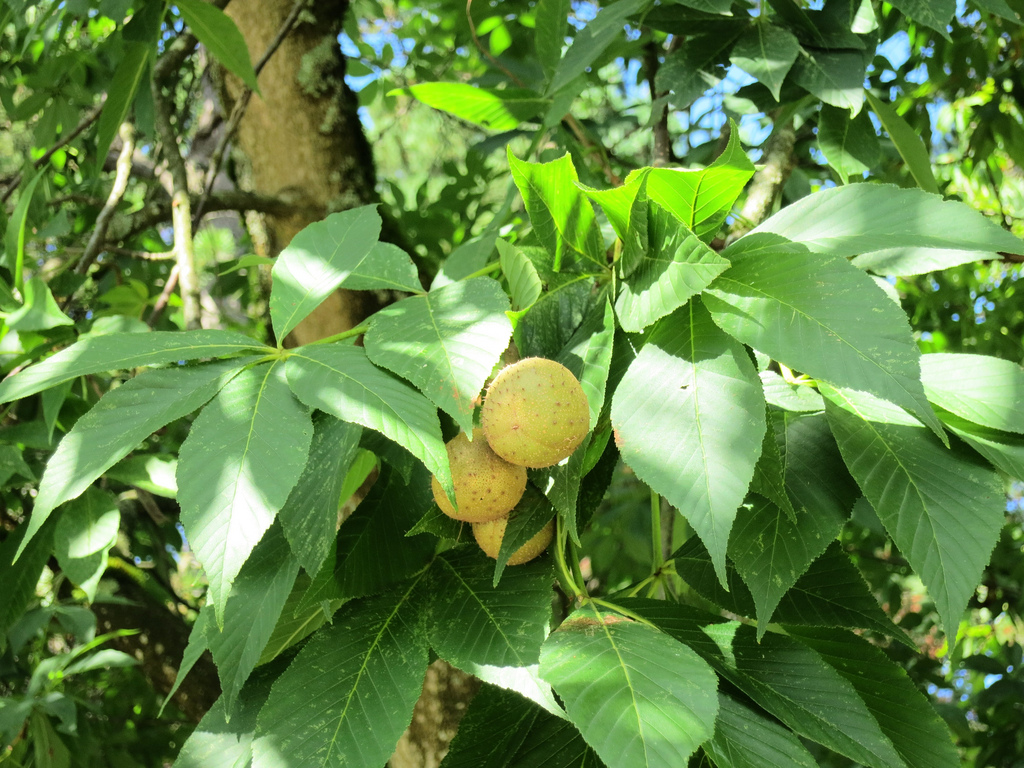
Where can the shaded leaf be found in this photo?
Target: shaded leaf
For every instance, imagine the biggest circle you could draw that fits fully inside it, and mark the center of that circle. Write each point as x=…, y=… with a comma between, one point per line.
x=589, y=355
x=908, y=143
x=849, y=143
x=218, y=32
x=349, y=694
x=523, y=281
x=766, y=52
x=905, y=714
x=980, y=388
x=835, y=77
x=472, y=622
x=943, y=510
x=310, y=516
x=85, y=530
x=253, y=607
x=745, y=739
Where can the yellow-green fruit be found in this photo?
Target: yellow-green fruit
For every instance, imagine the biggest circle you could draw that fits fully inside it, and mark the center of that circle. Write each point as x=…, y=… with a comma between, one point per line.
x=486, y=486
x=489, y=535
x=535, y=413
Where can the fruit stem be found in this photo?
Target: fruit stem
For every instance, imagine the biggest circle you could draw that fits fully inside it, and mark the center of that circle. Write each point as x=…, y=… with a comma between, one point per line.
x=561, y=539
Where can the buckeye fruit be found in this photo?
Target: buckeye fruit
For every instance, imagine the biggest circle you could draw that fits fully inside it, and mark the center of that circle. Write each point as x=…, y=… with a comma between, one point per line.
x=486, y=486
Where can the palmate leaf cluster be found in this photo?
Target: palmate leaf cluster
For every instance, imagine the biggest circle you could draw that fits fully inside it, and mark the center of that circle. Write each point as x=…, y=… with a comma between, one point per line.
x=761, y=390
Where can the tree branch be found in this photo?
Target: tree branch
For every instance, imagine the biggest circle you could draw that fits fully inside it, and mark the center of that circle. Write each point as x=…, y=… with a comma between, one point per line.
x=662, y=140
x=779, y=160
x=181, y=211
x=169, y=64
x=124, y=170
x=239, y=110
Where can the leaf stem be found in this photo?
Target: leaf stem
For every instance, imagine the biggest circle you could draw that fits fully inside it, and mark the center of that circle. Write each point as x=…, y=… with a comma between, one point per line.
x=341, y=336
x=561, y=539
x=494, y=266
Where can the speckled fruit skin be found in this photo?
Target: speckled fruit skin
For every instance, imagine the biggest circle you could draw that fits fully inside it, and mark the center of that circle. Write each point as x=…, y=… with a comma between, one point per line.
x=489, y=535
x=535, y=413
x=486, y=486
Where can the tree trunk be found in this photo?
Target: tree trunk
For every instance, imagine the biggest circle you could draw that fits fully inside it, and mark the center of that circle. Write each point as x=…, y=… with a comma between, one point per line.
x=303, y=135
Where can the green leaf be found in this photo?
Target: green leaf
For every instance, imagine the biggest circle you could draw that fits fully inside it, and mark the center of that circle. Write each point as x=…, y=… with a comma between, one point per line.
x=297, y=622
x=233, y=475
x=590, y=42
x=472, y=622
x=746, y=739
x=445, y=342
x=253, y=606
x=676, y=267
x=550, y=323
x=224, y=735
x=151, y=472
x=913, y=260
x=700, y=64
x=638, y=697
x=908, y=143
x=197, y=645
x=830, y=593
x=784, y=677
x=943, y=510
x=550, y=32
x=502, y=730
x=770, y=474
x=589, y=356
x=1004, y=450
x=820, y=315
x=20, y=568
x=529, y=517
x=979, y=388
x=863, y=218
x=526, y=682
x=13, y=463
x=218, y=32
x=373, y=550
x=252, y=260
x=849, y=143
x=339, y=380
x=128, y=76
x=386, y=268
x=689, y=418
x=469, y=257
x=490, y=108
x=766, y=52
x=999, y=8
x=790, y=397
x=318, y=260
x=935, y=14
x=116, y=351
x=310, y=516
x=14, y=235
x=625, y=207
x=702, y=199
x=770, y=549
x=560, y=212
x=523, y=281
x=85, y=530
x=437, y=523
x=905, y=715
x=40, y=310
x=349, y=694
x=122, y=419
x=835, y=77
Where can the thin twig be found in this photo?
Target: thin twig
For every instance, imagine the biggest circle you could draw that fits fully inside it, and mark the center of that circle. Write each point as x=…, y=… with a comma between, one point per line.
x=662, y=139
x=239, y=110
x=164, y=297
x=90, y=117
x=117, y=190
x=487, y=54
x=181, y=211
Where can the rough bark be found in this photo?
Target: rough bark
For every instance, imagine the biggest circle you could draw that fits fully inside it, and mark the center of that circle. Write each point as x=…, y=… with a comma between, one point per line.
x=301, y=137
x=779, y=160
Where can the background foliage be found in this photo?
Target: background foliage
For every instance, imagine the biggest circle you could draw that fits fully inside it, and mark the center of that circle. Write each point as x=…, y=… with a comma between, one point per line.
x=527, y=121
